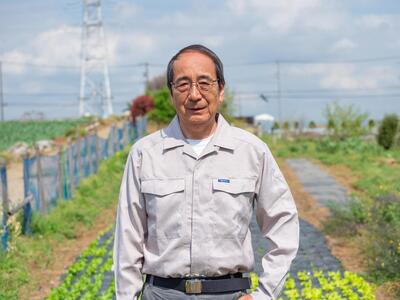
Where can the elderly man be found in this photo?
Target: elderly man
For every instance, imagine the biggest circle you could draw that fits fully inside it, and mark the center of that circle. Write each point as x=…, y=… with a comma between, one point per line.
x=187, y=196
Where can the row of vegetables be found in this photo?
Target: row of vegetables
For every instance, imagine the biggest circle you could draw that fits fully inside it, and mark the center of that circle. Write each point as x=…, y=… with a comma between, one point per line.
x=91, y=277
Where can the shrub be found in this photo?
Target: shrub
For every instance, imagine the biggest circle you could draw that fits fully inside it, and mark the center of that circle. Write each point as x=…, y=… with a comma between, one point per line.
x=384, y=249
x=387, y=131
x=163, y=111
x=345, y=121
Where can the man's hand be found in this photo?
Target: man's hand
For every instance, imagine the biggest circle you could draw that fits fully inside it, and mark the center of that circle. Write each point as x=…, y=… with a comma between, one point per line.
x=246, y=297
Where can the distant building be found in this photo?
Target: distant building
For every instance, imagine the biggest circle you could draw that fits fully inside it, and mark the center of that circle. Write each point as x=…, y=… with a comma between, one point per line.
x=264, y=123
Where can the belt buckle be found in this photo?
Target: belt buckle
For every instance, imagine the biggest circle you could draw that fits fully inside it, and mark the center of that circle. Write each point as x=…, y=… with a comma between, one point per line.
x=193, y=286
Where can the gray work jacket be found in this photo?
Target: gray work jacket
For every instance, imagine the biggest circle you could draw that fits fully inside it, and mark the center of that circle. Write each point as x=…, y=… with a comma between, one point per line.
x=181, y=215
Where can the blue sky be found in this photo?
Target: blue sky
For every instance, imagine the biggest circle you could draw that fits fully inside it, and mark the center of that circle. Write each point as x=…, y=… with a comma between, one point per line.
x=345, y=51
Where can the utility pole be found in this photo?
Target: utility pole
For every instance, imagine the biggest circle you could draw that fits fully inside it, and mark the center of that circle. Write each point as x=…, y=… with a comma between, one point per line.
x=146, y=72
x=1, y=95
x=95, y=91
x=278, y=87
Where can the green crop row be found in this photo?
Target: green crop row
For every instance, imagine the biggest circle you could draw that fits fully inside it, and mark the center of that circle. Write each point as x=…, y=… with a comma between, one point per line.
x=85, y=277
x=30, y=132
x=84, y=280
x=320, y=285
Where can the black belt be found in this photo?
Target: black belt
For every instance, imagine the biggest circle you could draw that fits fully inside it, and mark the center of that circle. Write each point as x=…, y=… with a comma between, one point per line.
x=202, y=285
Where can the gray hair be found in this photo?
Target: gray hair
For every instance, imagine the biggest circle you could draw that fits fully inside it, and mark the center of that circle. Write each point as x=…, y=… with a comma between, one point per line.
x=219, y=68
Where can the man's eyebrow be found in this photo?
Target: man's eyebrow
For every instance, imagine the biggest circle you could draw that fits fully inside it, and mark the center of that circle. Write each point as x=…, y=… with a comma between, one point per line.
x=182, y=78
x=188, y=78
x=204, y=77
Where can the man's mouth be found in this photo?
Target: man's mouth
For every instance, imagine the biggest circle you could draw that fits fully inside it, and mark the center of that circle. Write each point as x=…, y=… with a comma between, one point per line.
x=196, y=108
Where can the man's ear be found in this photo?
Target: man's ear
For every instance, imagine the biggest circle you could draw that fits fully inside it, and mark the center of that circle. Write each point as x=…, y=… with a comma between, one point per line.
x=221, y=95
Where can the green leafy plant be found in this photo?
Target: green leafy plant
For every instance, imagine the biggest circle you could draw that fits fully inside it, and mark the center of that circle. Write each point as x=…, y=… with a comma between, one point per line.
x=320, y=285
x=345, y=121
x=387, y=131
x=163, y=111
x=30, y=132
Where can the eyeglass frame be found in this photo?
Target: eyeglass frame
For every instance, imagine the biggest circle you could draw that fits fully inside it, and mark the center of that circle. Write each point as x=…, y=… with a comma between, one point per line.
x=212, y=82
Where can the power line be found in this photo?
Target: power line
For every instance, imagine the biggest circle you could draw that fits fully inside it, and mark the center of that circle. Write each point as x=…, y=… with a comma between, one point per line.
x=316, y=96
x=313, y=91
x=312, y=61
x=254, y=63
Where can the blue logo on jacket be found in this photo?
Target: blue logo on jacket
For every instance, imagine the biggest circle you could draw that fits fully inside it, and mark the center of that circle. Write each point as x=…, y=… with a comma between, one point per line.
x=224, y=180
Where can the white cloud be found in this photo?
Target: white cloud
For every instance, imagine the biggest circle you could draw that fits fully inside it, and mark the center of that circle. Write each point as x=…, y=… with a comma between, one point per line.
x=14, y=61
x=57, y=47
x=285, y=15
x=126, y=9
x=60, y=46
x=343, y=44
x=346, y=75
x=374, y=21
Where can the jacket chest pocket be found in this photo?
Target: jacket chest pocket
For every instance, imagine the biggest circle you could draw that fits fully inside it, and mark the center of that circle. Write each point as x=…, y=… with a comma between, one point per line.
x=232, y=204
x=164, y=205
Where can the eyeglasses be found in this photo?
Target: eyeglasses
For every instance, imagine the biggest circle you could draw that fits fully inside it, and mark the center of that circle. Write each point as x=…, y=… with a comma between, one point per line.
x=203, y=85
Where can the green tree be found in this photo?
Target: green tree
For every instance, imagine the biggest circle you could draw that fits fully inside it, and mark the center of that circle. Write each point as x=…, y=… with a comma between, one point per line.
x=226, y=108
x=371, y=124
x=312, y=124
x=275, y=126
x=345, y=121
x=163, y=111
x=387, y=131
x=286, y=125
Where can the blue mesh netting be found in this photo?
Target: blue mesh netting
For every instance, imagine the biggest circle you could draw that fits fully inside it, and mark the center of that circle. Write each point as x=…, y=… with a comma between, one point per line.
x=50, y=178
x=74, y=164
x=84, y=158
x=92, y=139
x=104, y=148
x=60, y=172
x=120, y=132
x=3, y=185
x=114, y=139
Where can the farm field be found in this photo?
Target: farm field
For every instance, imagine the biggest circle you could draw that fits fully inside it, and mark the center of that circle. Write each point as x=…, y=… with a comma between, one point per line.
x=371, y=219
x=32, y=270
x=32, y=131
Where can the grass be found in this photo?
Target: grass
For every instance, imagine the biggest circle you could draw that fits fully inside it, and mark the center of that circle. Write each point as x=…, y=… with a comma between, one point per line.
x=30, y=132
x=372, y=217
x=94, y=196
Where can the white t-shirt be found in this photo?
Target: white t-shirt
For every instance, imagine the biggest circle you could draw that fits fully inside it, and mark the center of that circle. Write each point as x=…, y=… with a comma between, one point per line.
x=199, y=145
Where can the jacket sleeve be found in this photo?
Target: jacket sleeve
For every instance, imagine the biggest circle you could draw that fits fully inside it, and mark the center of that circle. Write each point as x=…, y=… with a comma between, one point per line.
x=278, y=221
x=130, y=229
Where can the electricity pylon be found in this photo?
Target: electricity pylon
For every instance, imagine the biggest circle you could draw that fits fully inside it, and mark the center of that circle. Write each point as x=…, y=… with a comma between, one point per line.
x=95, y=91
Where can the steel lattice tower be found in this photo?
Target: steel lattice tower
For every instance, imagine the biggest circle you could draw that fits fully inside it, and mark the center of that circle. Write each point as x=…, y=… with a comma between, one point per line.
x=95, y=91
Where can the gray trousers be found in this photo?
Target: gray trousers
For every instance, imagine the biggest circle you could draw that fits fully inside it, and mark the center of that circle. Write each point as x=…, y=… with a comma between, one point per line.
x=151, y=292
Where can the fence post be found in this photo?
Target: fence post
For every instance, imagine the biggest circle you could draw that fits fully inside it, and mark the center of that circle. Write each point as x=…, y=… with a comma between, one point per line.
x=27, y=207
x=6, y=204
x=71, y=165
x=79, y=157
x=115, y=138
x=111, y=140
x=97, y=150
x=42, y=201
x=89, y=152
x=60, y=173
x=125, y=134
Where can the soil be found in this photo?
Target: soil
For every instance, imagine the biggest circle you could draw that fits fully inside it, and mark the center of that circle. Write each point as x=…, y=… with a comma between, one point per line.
x=65, y=253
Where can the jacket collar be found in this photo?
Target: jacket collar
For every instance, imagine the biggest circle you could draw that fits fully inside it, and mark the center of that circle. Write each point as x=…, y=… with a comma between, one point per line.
x=223, y=136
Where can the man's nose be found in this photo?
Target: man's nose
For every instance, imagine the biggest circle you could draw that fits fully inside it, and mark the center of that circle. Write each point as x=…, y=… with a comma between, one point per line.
x=194, y=92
